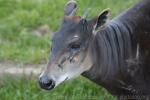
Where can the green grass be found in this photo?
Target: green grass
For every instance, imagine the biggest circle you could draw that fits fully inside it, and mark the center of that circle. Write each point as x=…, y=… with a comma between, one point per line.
x=18, y=17
x=25, y=89
x=19, y=45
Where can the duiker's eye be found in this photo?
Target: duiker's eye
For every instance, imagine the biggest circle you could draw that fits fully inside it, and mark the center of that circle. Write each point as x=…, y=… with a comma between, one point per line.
x=75, y=46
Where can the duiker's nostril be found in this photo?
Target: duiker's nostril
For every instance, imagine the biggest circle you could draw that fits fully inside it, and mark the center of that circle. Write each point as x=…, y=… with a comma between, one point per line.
x=46, y=83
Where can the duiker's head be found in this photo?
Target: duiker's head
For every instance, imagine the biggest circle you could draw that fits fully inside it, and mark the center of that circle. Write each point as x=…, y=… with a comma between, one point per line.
x=69, y=56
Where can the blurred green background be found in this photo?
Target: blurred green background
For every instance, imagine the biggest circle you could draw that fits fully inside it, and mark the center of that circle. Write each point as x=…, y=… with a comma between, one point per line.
x=25, y=28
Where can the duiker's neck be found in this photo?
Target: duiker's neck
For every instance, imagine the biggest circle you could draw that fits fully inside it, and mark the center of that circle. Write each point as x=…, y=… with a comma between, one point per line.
x=108, y=51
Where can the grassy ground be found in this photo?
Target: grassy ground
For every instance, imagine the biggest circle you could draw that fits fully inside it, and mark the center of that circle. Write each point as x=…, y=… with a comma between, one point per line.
x=19, y=44
x=28, y=89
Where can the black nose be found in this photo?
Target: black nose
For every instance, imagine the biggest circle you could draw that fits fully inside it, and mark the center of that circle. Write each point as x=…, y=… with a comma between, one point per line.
x=46, y=83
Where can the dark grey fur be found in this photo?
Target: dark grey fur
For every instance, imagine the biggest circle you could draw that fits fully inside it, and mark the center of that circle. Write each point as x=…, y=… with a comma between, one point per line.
x=117, y=67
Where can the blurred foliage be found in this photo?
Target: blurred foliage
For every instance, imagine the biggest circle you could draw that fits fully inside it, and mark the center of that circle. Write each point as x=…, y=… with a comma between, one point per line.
x=19, y=17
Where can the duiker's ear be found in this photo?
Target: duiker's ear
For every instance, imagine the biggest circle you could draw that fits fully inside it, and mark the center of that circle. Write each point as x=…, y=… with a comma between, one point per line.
x=101, y=19
x=70, y=8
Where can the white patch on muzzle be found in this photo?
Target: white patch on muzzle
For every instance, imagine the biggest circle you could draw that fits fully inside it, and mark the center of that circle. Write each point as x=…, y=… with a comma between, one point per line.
x=60, y=79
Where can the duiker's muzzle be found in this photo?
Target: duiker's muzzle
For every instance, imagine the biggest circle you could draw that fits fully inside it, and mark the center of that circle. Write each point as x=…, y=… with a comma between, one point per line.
x=46, y=83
